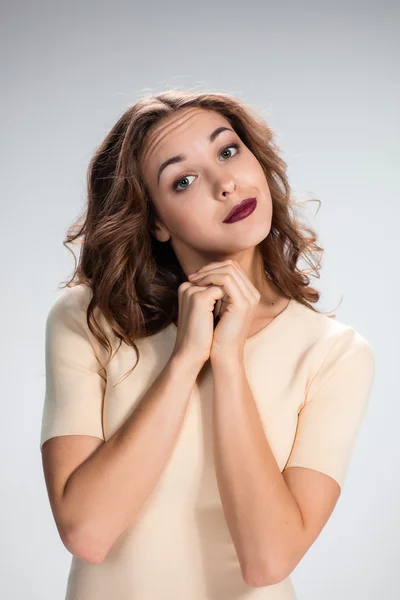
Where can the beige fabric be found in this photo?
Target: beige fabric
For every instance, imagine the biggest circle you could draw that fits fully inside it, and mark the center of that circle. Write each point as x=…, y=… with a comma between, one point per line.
x=311, y=377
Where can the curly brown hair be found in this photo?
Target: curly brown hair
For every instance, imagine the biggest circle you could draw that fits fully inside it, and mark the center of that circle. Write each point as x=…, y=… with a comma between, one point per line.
x=133, y=277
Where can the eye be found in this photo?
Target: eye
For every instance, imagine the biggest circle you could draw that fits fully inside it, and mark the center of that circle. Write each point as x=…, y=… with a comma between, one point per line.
x=178, y=181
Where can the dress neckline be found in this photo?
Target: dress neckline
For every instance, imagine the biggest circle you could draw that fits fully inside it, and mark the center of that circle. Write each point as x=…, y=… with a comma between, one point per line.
x=276, y=320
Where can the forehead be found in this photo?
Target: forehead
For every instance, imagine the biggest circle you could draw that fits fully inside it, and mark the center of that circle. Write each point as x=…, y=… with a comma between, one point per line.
x=191, y=126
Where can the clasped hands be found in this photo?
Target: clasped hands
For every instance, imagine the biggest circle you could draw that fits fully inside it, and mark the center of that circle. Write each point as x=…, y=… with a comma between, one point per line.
x=236, y=309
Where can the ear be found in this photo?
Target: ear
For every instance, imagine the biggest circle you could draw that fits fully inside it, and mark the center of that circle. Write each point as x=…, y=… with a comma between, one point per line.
x=160, y=232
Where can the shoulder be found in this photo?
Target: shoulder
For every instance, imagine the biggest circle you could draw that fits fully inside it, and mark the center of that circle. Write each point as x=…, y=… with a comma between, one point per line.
x=73, y=298
x=69, y=309
x=72, y=301
x=332, y=341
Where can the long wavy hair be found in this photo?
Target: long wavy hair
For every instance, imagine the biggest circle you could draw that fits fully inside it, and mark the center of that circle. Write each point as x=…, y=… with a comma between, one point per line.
x=133, y=277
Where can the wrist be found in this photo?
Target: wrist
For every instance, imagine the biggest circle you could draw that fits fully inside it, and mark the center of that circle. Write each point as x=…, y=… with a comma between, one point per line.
x=228, y=359
x=185, y=363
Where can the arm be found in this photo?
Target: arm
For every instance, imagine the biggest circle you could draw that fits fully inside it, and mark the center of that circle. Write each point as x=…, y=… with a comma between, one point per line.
x=117, y=475
x=264, y=519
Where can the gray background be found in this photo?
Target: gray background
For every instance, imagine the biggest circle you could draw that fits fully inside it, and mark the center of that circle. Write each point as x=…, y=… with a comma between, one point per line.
x=325, y=76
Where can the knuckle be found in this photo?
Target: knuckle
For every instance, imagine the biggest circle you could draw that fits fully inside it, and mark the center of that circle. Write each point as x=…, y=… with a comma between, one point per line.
x=191, y=291
x=196, y=298
x=183, y=287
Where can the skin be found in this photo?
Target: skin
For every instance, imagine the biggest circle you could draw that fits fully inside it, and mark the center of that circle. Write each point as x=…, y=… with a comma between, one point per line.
x=211, y=181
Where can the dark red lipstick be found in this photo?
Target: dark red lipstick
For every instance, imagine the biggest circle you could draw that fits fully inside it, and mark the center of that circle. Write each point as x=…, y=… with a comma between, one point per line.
x=241, y=210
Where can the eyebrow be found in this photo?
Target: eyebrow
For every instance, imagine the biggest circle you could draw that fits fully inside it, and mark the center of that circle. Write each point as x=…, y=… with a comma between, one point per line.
x=181, y=157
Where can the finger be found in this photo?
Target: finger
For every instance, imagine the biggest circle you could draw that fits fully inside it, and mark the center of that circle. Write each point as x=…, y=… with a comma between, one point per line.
x=253, y=290
x=246, y=282
x=215, y=292
x=194, y=288
x=234, y=288
x=234, y=275
x=234, y=268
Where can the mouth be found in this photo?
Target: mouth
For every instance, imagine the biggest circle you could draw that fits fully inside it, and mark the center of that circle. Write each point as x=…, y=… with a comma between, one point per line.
x=241, y=210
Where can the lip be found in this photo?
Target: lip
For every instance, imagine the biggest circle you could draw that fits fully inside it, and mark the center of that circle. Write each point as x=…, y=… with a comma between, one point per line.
x=248, y=203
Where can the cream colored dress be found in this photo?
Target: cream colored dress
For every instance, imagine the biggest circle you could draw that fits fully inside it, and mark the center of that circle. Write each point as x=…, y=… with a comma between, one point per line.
x=311, y=377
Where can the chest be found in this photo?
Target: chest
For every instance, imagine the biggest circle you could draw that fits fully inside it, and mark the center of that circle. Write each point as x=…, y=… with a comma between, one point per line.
x=258, y=324
x=189, y=476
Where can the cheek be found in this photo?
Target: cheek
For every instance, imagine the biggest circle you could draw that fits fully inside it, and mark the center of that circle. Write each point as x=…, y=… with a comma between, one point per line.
x=251, y=169
x=169, y=211
x=182, y=218
x=195, y=223
x=261, y=179
x=257, y=168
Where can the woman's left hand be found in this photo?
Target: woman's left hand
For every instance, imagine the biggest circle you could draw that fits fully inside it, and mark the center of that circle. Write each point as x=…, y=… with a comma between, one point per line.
x=235, y=310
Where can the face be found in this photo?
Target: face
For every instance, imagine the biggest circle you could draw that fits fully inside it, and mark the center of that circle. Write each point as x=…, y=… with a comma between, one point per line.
x=193, y=196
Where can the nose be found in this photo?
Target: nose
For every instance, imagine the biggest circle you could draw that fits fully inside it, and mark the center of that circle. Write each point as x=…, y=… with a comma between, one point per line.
x=228, y=185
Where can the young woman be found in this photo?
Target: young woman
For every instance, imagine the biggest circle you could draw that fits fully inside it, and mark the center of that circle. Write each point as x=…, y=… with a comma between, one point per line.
x=196, y=431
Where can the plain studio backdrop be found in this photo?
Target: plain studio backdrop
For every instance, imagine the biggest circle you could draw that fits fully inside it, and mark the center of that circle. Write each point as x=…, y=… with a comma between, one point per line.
x=325, y=76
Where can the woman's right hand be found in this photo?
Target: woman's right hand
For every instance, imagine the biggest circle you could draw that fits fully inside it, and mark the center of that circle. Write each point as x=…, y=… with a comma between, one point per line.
x=196, y=321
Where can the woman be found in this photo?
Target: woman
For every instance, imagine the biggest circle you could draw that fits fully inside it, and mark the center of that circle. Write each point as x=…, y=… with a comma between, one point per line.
x=209, y=467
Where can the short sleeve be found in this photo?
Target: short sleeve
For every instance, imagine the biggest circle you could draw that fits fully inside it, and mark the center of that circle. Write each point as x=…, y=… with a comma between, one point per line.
x=74, y=388
x=335, y=406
